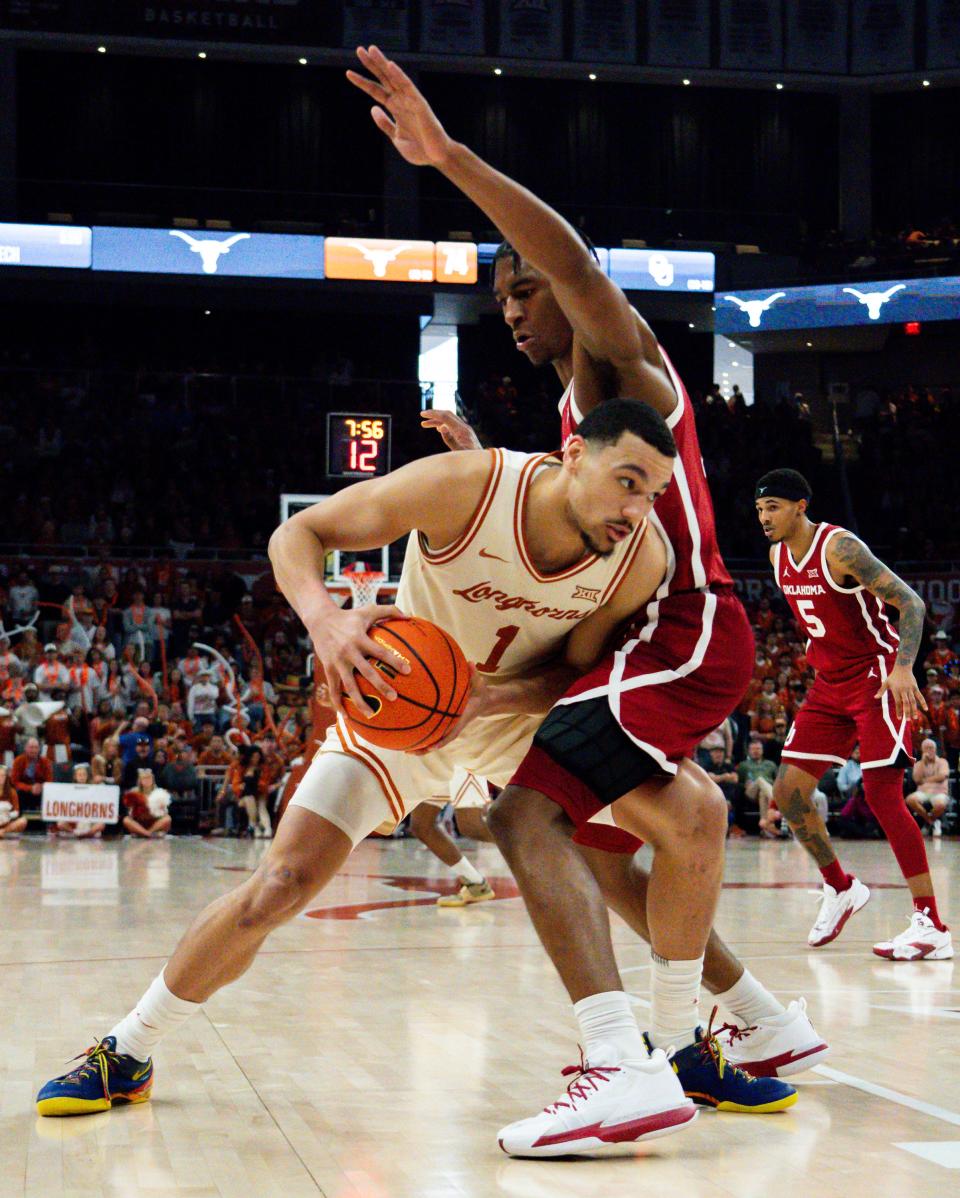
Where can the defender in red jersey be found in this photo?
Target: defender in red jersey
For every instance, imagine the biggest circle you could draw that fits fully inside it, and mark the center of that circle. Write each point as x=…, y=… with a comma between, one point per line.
x=864, y=693
x=614, y=744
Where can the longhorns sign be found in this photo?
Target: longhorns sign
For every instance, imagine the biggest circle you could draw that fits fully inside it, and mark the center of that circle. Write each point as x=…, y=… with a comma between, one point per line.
x=379, y=259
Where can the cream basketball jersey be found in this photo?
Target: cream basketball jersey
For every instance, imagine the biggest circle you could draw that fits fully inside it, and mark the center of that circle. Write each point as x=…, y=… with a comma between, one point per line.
x=485, y=589
x=508, y=618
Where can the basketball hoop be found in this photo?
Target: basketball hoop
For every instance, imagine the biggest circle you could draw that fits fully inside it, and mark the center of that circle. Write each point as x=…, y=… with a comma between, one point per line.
x=364, y=584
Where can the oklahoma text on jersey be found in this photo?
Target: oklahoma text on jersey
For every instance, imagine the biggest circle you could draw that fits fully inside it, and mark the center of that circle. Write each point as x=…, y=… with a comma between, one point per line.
x=852, y=646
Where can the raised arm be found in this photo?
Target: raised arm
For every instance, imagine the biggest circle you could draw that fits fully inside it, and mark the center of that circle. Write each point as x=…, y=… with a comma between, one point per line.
x=435, y=495
x=607, y=327
x=848, y=557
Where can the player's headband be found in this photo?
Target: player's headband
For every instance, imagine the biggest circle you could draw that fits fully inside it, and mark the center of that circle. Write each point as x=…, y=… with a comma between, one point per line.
x=783, y=484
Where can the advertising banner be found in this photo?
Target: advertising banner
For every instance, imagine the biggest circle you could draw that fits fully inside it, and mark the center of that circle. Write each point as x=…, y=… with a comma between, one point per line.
x=69, y=802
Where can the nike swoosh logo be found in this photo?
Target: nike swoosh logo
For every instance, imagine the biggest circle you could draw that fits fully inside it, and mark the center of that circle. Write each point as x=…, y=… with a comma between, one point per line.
x=484, y=553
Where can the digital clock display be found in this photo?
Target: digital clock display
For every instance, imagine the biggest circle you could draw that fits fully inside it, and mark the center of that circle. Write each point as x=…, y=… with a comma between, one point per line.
x=358, y=444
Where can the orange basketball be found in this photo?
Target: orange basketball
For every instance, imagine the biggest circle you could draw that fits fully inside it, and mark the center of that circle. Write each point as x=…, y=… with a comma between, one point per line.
x=429, y=699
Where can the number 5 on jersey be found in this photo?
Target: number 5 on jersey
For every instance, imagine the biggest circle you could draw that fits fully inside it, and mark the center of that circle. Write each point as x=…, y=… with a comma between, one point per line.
x=811, y=622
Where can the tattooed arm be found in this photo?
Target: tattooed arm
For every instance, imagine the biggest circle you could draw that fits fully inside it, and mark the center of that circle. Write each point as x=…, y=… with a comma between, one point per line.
x=848, y=557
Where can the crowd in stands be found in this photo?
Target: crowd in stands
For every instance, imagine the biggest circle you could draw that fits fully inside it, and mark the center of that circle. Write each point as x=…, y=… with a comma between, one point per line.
x=744, y=753
x=916, y=249
x=208, y=679
x=204, y=679
x=80, y=467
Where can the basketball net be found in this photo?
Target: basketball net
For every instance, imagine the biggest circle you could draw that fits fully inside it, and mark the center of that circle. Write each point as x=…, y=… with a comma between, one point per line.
x=364, y=584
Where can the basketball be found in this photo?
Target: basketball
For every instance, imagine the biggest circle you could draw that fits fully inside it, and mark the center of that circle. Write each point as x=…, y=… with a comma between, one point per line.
x=429, y=699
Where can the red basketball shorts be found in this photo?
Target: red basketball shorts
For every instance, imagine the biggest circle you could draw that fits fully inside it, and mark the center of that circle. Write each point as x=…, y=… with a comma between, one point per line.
x=641, y=711
x=840, y=712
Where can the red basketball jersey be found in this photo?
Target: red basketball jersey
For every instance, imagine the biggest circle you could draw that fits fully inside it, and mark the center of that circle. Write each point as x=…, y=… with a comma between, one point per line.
x=846, y=626
x=684, y=513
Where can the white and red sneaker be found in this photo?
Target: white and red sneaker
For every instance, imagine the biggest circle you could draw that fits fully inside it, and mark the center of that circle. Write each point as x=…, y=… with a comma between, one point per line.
x=922, y=941
x=605, y=1105
x=836, y=907
x=778, y=1047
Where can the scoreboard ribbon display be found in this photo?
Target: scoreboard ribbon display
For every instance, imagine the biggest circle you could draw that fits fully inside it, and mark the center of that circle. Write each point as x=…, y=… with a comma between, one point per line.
x=382, y=260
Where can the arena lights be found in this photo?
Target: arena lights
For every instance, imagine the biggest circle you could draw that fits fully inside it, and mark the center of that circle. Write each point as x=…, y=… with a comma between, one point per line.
x=302, y=61
x=202, y=54
x=779, y=87
x=926, y=83
x=101, y=49
x=592, y=76
x=497, y=71
x=686, y=83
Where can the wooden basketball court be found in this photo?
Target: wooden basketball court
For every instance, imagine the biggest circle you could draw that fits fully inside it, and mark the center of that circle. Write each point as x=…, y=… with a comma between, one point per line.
x=375, y=1048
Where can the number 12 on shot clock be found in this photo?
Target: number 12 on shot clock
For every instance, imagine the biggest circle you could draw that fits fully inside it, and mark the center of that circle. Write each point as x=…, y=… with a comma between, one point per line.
x=358, y=444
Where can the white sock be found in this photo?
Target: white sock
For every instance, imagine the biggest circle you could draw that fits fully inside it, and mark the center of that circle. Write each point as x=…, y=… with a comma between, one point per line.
x=608, y=1025
x=675, y=1016
x=750, y=1001
x=157, y=1012
x=464, y=869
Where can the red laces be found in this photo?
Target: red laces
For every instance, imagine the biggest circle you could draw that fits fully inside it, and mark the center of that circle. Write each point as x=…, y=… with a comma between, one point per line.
x=587, y=1080
x=736, y=1033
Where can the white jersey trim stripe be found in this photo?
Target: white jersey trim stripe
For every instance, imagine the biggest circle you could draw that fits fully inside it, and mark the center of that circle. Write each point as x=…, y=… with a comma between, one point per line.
x=813, y=756
x=696, y=557
x=677, y=386
x=870, y=624
x=798, y=566
x=680, y=475
x=653, y=607
x=440, y=557
x=353, y=749
x=899, y=735
x=616, y=686
x=825, y=566
x=890, y=631
x=562, y=403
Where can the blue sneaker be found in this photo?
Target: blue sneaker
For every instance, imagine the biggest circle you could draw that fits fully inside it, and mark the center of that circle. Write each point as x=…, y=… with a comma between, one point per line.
x=709, y=1079
x=105, y=1077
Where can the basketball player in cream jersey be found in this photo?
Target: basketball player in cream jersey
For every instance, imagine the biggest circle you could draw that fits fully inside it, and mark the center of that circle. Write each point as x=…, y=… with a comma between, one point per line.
x=620, y=741
x=530, y=562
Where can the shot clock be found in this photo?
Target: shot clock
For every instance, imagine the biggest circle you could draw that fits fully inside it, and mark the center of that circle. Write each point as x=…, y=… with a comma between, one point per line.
x=358, y=444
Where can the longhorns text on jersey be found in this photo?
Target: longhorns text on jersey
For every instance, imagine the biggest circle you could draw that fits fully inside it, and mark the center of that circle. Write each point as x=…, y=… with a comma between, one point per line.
x=507, y=616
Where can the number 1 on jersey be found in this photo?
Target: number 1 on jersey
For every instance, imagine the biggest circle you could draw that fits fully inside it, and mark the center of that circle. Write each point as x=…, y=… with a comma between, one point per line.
x=504, y=639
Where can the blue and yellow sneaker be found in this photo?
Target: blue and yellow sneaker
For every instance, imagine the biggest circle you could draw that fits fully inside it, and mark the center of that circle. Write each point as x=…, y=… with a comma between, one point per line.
x=709, y=1079
x=105, y=1077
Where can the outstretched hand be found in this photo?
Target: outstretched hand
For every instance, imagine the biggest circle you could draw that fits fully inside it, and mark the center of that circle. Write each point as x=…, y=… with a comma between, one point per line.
x=456, y=433
x=400, y=111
